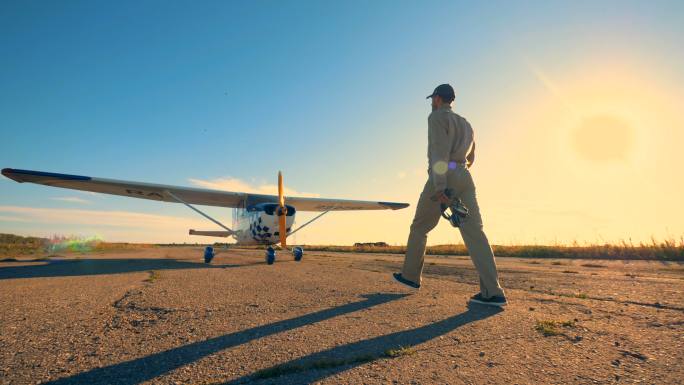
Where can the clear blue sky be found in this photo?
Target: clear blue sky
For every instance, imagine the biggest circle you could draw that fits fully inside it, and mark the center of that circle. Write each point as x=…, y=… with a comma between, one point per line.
x=332, y=93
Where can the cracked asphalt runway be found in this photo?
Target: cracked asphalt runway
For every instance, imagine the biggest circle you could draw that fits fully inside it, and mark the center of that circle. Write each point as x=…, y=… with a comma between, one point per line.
x=162, y=316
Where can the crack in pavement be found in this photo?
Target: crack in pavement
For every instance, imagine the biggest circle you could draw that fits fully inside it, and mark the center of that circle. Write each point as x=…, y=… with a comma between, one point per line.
x=129, y=310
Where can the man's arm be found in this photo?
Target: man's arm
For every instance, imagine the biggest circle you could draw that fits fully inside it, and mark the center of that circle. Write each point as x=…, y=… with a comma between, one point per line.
x=441, y=139
x=470, y=158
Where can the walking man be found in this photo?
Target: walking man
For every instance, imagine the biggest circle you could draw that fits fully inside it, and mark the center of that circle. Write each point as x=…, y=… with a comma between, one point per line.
x=451, y=151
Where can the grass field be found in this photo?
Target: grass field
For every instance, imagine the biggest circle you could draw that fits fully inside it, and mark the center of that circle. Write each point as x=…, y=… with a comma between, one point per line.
x=666, y=250
x=669, y=250
x=16, y=245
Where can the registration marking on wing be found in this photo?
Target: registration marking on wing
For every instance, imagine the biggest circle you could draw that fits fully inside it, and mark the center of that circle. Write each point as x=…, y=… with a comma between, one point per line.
x=338, y=208
x=151, y=194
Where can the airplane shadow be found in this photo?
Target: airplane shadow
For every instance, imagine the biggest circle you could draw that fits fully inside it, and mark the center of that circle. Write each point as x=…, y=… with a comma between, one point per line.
x=77, y=267
x=345, y=357
x=154, y=365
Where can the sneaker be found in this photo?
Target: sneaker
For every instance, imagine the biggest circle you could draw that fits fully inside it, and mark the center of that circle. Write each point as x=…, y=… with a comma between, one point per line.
x=404, y=281
x=497, y=300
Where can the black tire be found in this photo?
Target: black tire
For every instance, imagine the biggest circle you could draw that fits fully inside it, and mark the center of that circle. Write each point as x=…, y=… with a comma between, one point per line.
x=270, y=256
x=298, y=253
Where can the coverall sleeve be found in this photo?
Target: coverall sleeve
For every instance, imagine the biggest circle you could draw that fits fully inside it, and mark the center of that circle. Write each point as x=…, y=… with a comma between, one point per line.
x=440, y=139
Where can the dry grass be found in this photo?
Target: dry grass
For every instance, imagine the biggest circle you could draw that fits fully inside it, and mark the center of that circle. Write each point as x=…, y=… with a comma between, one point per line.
x=111, y=246
x=667, y=250
x=400, y=351
x=553, y=328
x=15, y=245
x=327, y=363
x=153, y=276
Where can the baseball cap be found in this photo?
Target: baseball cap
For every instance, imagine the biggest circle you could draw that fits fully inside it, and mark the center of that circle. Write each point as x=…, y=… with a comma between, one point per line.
x=443, y=90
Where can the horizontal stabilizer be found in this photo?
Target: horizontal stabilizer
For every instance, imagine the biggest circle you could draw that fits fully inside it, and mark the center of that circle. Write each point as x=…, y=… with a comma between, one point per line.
x=221, y=234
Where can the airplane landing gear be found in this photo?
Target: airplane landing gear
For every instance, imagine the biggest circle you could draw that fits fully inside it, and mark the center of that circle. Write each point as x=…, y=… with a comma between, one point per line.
x=208, y=254
x=298, y=253
x=270, y=255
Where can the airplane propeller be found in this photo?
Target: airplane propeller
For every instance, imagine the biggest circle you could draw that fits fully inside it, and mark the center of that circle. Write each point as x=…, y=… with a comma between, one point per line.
x=282, y=212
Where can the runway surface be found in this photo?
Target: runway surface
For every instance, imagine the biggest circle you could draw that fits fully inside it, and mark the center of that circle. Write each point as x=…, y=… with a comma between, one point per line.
x=163, y=316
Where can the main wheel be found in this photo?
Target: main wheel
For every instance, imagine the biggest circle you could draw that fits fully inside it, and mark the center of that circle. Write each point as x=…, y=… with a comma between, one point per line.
x=208, y=254
x=270, y=255
x=298, y=253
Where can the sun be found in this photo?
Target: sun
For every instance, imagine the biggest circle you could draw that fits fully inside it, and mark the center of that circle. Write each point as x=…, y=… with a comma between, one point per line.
x=608, y=116
x=603, y=138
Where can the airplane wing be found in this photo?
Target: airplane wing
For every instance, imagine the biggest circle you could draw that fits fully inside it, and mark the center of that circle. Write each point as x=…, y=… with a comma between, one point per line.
x=156, y=192
x=323, y=204
x=160, y=192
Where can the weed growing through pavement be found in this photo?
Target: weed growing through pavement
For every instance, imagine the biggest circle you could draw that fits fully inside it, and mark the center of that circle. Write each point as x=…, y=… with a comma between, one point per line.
x=400, y=351
x=154, y=275
x=327, y=363
x=553, y=328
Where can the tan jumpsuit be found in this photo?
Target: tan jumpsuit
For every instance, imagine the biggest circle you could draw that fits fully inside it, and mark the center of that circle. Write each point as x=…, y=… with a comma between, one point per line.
x=450, y=138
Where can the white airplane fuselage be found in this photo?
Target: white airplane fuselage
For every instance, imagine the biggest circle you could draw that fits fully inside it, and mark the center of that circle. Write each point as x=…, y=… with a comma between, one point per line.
x=258, y=225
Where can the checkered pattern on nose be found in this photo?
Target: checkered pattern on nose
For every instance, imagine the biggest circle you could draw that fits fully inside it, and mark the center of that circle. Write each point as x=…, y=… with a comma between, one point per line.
x=259, y=227
x=263, y=227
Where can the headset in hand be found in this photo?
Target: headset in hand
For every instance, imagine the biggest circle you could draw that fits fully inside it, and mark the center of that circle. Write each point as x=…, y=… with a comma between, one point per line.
x=459, y=212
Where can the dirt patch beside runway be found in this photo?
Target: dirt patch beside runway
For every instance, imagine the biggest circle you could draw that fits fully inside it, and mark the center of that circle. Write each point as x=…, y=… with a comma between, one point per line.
x=162, y=316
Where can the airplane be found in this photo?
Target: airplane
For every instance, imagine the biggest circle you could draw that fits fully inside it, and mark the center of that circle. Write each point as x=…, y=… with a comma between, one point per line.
x=258, y=219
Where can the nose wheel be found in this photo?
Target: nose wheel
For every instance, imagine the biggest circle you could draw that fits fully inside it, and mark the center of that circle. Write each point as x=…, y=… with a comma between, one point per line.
x=270, y=255
x=298, y=253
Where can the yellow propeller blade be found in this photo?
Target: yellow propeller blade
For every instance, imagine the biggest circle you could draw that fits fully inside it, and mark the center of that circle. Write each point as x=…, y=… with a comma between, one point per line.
x=281, y=198
x=282, y=212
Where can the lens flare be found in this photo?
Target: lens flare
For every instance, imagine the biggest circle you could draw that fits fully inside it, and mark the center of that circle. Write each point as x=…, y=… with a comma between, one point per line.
x=75, y=243
x=440, y=167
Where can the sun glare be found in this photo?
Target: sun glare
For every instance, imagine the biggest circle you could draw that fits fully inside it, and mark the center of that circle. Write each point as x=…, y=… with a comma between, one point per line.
x=609, y=117
x=603, y=135
x=603, y=138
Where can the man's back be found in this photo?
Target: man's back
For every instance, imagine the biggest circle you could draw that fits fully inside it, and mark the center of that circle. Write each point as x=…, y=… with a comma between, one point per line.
x=457, y=130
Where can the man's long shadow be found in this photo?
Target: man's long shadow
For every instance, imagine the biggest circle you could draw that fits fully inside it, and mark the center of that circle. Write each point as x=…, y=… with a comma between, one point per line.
x=77, y=267
x=341, y=358
x=154, y=365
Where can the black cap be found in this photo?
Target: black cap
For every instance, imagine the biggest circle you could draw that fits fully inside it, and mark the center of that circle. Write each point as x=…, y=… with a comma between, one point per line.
x=445, y=91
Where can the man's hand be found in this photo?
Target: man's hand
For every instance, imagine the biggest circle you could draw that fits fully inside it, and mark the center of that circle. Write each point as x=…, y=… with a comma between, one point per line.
x=442, y=198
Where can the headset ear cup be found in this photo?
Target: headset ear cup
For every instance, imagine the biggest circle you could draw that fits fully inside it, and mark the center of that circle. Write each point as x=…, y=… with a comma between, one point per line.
x=444, y=208
x=455, y=219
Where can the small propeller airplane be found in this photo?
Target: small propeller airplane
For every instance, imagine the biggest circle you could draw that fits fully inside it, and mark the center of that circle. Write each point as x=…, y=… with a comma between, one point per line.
x=257, y=219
